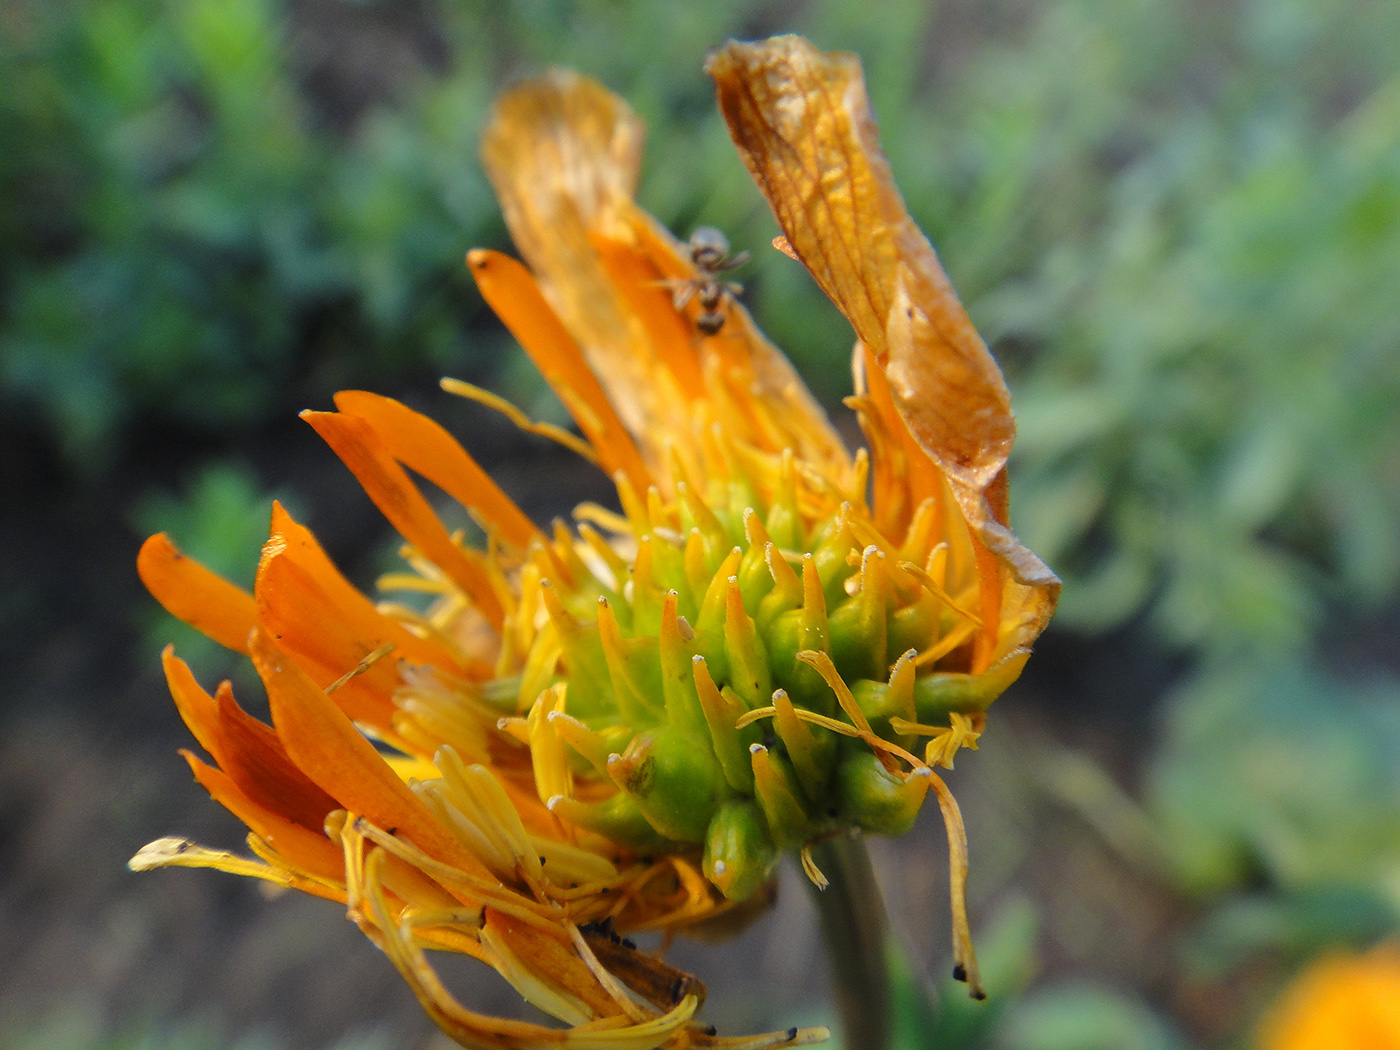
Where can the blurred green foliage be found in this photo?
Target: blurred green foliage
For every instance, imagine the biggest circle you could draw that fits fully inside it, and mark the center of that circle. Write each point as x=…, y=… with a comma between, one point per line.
x=168, y=241
x=1283, y=775
x=201, y=226
x=1179, y=227
x=1086, y=1017
x=1199, y=303
x=77, y=1029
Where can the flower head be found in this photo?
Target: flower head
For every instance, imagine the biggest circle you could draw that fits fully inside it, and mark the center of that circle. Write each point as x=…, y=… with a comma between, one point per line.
x=621, y=724
x=1342, y=1001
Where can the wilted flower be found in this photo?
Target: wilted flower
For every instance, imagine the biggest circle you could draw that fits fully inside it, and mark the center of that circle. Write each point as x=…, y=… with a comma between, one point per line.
x=1342, y=1001
x=620, y=725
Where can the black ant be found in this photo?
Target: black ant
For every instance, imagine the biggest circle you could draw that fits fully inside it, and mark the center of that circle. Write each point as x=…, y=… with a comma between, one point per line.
x=709, y=251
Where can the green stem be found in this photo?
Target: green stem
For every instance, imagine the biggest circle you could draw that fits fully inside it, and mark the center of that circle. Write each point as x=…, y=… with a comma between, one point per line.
x=854, y=928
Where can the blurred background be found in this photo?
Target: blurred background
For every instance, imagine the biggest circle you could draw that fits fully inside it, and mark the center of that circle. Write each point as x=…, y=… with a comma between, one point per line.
x=1178, y=226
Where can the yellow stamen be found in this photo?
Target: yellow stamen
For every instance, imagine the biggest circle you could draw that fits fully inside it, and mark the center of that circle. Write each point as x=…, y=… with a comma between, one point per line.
x=964, y=956
x=360, y=668
x=934, y=588
x=810, y=869
x=952, y=640
x=557, y=434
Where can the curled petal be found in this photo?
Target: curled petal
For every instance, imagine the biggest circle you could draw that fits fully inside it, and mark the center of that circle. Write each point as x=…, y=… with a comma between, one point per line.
x=173, y=852
x=803, y=126
x=802, y=123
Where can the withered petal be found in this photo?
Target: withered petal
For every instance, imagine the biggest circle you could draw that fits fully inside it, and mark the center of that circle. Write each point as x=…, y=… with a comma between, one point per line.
x=802, y=123
x=803, y=126
x=563, y=153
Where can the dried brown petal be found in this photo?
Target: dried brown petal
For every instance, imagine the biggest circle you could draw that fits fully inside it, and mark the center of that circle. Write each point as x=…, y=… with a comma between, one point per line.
x=802, y=123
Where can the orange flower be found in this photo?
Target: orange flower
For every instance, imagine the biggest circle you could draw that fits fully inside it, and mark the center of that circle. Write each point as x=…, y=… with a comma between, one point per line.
x=1342, y=1001
x=621, y=725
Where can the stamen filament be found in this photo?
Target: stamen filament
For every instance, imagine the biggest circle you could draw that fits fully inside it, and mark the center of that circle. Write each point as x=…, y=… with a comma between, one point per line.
x=554, y=433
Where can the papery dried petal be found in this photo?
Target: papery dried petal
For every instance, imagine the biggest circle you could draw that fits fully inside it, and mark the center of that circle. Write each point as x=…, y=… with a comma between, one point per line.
x=803, y=126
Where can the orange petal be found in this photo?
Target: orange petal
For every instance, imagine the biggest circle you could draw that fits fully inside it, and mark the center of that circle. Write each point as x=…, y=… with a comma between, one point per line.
x=298, y=546
x=323, y=621
x=246, y=750
x=196, y=707
x=989, y=591
x=1341, y=999
x=305, y=850
x=251, y=753
x=511, y=292
x=424, y=446
x=319, y=635
x=669, y=335
x=189, y=591
x=563, y=153
x=384, y=481
x=328, y=748
x=904, y=474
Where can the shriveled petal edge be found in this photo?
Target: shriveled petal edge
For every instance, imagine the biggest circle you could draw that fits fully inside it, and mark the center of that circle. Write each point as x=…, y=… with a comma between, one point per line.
x=788, y=106
x=802, y=123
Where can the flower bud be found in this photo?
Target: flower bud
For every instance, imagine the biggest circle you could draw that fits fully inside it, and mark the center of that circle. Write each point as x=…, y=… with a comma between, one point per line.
x=739, y=852
x=618, y=818
x=874, y=799
x=674, y=779
x=779, y=795
x=859, y=636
